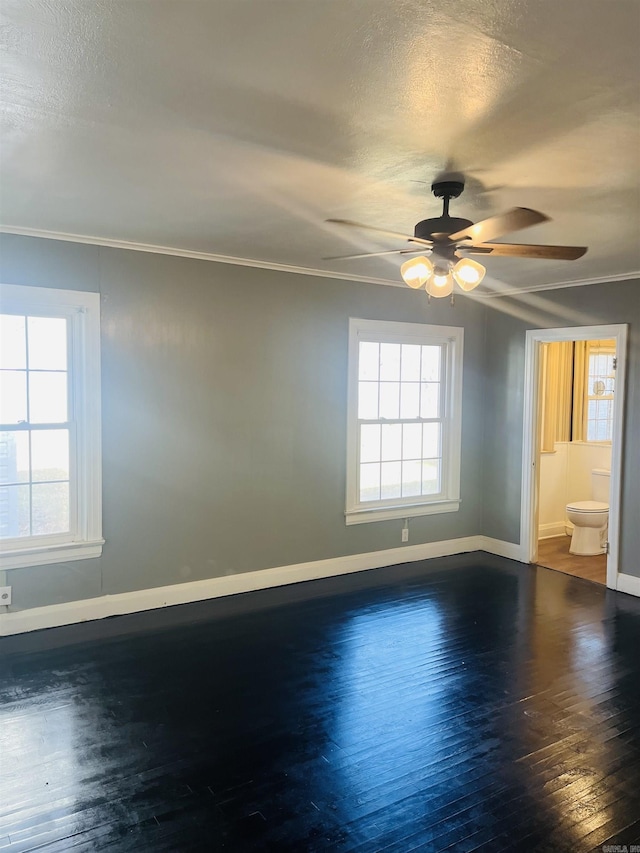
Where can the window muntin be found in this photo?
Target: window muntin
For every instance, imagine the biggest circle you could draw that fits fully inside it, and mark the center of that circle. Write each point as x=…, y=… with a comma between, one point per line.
x=600, y=389
x=399, y=424
x=404, y=429
x=34, y=455
x=50, y=502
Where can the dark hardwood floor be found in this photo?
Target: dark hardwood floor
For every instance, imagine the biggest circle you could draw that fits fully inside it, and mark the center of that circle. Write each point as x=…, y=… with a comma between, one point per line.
x=464, y=704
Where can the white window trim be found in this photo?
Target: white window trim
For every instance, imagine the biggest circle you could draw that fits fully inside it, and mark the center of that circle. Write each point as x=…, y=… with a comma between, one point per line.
x=83, y=312
x=384, y=331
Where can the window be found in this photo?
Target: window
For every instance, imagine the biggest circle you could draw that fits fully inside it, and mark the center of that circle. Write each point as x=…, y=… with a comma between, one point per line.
x=600, y=387
x=50, y=485
x=405, y=396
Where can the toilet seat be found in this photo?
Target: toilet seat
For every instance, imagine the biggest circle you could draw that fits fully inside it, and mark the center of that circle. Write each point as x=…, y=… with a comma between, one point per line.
x=588, y=506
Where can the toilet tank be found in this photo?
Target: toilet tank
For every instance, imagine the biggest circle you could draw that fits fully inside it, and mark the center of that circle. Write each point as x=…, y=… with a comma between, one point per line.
x=600, y=484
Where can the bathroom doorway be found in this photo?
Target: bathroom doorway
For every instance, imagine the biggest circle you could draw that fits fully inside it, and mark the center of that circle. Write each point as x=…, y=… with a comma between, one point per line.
x=574, y=400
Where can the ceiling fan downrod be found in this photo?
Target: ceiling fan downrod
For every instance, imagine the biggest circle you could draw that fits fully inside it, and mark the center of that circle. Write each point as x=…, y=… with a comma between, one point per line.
x=446, y=190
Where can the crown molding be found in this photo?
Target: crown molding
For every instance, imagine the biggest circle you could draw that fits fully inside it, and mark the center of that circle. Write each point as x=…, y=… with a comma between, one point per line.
x=560, y=285
x=198, y=256
x=290, y=268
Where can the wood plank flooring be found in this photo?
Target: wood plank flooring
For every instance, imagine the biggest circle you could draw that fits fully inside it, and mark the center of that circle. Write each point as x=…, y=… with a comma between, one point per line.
x=462, y=704
x=553, y=553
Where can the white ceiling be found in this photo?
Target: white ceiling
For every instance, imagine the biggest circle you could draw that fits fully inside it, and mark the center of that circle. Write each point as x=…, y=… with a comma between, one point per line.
x=235, y=127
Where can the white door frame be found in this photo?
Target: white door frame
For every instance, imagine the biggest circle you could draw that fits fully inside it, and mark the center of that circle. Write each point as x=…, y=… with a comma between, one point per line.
x=531, y=435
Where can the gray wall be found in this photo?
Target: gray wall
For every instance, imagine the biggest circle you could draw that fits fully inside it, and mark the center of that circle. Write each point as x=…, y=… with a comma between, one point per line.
x=506, y=323
x=224, y=416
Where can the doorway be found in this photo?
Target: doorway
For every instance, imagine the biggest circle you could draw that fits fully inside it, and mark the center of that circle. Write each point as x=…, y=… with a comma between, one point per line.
x=574, y=405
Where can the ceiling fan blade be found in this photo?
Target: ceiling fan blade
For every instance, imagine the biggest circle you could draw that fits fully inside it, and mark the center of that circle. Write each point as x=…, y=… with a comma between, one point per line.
x=377, y=254
x=520, y=250
x=504, y=223
x=380, y=231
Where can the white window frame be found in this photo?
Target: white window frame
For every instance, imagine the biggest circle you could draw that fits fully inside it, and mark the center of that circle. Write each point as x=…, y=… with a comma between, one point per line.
x=451, y=338
x=82, y=310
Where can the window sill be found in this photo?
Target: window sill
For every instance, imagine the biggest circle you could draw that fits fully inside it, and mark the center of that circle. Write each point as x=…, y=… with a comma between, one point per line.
x=65, y=552
x=387, y=513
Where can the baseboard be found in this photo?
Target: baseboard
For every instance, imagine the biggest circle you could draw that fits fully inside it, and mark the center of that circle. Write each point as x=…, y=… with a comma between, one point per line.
x=555, y=528
x=629, y=584
x=510, y=550
x=72, y=612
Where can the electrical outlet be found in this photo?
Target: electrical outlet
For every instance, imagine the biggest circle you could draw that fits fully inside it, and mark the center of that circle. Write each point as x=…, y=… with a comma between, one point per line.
x=5, y=595
x=405, y=534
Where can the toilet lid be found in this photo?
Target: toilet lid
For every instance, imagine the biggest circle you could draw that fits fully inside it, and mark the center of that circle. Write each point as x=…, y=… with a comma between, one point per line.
x=587, y=506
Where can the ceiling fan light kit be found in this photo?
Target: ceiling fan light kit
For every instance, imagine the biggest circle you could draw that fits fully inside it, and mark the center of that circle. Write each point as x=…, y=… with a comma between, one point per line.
x=416, y=272
x=468, y=273
x=441, y=284
x=449, y=239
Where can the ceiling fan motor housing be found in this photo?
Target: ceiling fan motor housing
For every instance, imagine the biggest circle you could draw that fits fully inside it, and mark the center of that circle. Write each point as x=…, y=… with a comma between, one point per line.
x=439, y=228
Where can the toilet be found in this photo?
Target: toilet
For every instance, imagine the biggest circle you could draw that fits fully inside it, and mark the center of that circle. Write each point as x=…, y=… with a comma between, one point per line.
x=590, y=519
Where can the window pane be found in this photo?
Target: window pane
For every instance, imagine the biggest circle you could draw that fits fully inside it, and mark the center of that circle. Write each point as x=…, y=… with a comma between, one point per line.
x=14, y=511
x=47, y=397
x=430, y=400
x=47, y=343
x=391, y=442
x=14, y=457
x=369, y=360
x=430, y=440
x=370, y=482
x=50, y=508
x=409, y=400
x=431, y=477
x=367, y=400
x=13, y=396
x=591, y=413
x=410, y=363
x=412, y=441
x=370, y=443
x=50, y=454
x=390, y=362
x=430, y=364
x=411, y=479
x=13, y=346
x=391, y=485
x=389, y=400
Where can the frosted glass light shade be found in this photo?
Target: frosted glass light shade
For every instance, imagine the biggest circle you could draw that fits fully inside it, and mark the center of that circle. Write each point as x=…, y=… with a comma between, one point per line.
x=440, y=285
x=416, y=272
x=468, y=273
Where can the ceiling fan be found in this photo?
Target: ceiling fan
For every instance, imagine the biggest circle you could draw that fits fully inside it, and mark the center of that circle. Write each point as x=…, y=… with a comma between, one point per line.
x=449, y=240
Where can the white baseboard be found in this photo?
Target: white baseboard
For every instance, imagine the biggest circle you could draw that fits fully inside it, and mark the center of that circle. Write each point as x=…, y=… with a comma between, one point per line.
x=628, y=584
x=510, y=550
x=72, y=612
x=69, y=613
x=555, y=528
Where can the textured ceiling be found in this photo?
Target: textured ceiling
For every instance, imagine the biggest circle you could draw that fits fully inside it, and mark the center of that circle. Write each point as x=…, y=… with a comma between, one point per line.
x=235, y=127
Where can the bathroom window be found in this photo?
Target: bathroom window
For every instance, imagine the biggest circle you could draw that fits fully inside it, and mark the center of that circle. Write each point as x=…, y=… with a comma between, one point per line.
x=404, y=420
x=50, y=492
x=600, y=389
